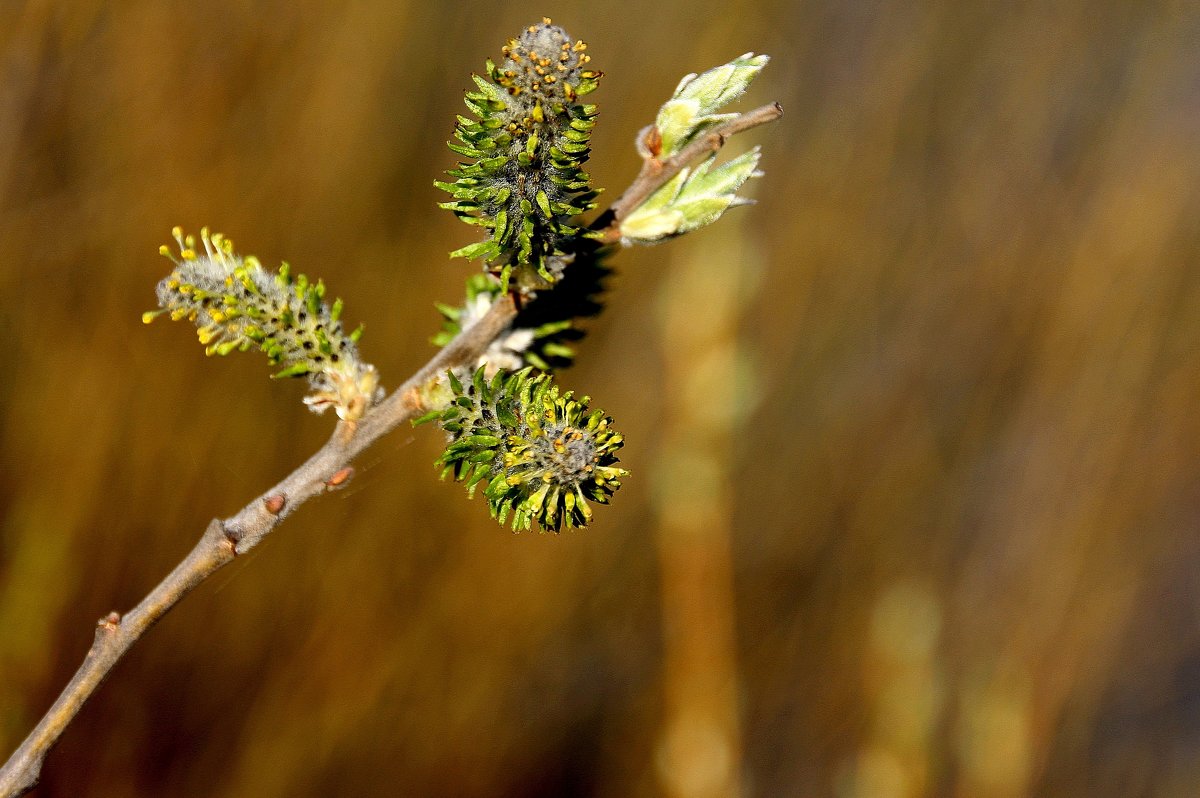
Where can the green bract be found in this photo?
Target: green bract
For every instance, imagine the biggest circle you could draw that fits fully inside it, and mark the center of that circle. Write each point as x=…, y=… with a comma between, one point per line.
x=541, y=456
x=525, y=183
x=544, y=331
x=236, y=304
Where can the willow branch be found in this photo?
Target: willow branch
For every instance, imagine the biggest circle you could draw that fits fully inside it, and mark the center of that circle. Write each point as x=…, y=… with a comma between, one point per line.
x=328, y=469
x=655, y=172
x=223, y=540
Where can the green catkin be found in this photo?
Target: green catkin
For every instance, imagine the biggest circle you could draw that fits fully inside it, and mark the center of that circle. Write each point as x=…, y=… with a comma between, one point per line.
x=539, y=455
x=237, y=305
x=524, y=183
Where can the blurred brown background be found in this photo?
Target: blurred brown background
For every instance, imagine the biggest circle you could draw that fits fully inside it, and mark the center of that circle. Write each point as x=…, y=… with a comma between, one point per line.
x=914, y=441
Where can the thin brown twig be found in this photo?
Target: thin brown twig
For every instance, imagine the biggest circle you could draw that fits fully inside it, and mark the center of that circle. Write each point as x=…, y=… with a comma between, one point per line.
x=329, y=468
x=224, y=539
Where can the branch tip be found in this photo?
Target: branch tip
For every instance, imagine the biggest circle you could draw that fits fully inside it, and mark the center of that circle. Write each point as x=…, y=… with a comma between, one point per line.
x=233, y=535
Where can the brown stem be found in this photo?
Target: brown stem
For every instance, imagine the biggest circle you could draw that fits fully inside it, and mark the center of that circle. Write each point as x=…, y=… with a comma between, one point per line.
x=224, y=540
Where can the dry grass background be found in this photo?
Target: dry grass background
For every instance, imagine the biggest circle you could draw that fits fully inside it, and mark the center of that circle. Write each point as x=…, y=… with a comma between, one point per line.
x=935, y=446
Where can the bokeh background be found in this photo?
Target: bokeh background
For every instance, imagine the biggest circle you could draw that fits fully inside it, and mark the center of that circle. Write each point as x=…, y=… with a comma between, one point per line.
x=914, y=441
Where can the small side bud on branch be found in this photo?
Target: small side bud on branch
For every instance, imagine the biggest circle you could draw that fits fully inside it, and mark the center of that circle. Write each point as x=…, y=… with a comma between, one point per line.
x=339, y=478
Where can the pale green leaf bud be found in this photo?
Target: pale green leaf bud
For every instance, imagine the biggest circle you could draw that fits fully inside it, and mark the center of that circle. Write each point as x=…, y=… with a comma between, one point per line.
x=690, y=200
x=692, y=109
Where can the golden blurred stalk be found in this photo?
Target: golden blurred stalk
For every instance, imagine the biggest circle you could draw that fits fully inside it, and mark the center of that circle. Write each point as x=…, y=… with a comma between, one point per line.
x=699, y=752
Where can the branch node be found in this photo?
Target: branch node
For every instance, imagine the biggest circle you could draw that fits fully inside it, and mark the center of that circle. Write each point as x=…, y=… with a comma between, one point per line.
x=275, y=503
x=412, y=399
x=110, y=622
x=649, y=143
x=106, y=629
x=339, y=478
x=233, y=535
